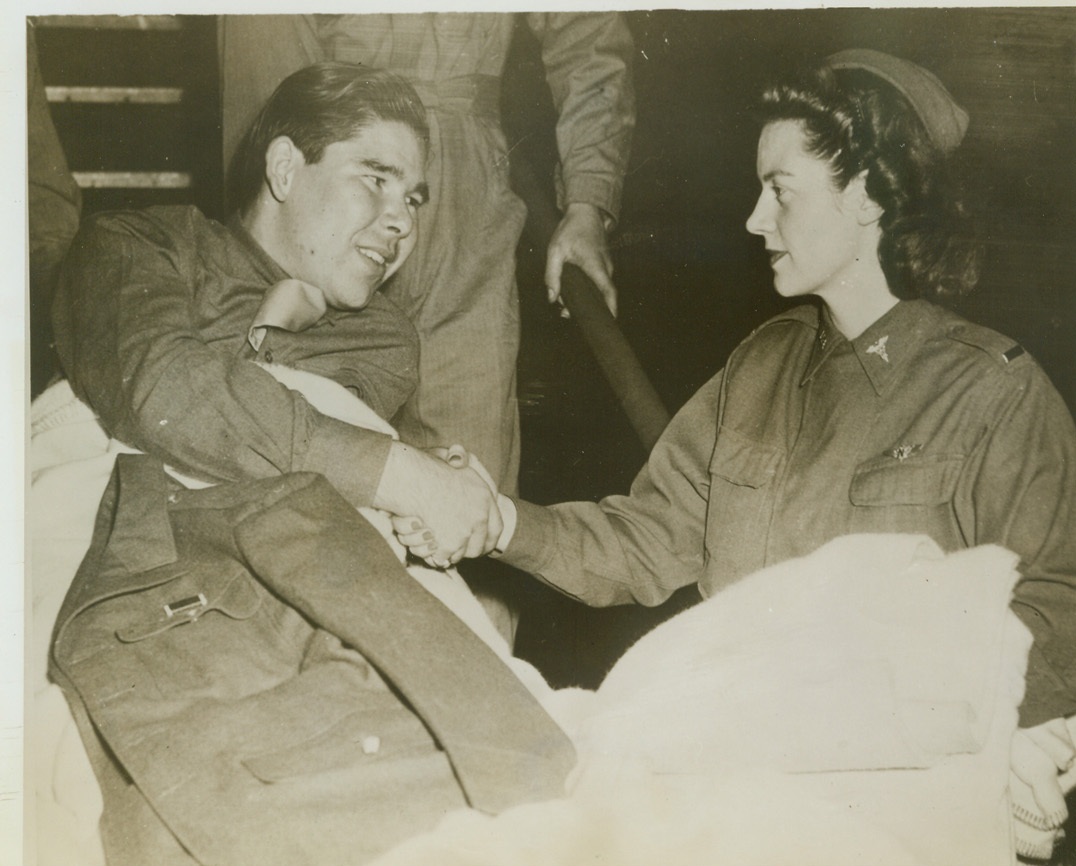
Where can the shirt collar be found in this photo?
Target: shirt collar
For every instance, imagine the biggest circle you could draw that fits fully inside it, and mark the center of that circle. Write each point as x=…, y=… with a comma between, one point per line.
x=882, y=350
x=291, y=305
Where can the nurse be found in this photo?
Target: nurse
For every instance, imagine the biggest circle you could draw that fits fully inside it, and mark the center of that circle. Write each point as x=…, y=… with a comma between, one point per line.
x=867, y=408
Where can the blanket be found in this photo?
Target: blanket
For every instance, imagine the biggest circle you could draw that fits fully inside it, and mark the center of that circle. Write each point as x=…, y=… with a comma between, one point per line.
x=852, y=706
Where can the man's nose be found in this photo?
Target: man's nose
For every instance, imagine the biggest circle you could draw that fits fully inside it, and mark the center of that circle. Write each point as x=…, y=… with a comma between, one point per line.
x=760, y=221
x=398, y=218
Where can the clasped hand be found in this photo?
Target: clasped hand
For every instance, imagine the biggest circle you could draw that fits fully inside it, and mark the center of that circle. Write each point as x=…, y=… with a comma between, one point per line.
x=461, y=519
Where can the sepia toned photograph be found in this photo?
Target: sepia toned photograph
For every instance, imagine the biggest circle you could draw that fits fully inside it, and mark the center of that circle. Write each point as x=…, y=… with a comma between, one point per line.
x=547, y=438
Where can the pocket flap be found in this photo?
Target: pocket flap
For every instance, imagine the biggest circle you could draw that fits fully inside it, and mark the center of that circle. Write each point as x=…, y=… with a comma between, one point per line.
x=187, y=600
x=919, y=480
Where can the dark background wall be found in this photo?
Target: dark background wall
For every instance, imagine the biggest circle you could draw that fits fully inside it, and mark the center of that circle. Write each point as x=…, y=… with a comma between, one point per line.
x=692, y=281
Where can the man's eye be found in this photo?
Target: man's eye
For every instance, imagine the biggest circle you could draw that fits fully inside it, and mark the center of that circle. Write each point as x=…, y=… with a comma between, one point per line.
x=415, y=201
x=376, y=180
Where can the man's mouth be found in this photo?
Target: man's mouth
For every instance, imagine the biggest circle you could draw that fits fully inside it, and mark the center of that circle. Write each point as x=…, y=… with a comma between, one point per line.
x=375, y=256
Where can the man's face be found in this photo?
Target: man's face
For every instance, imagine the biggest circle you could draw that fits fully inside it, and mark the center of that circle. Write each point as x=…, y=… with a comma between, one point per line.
x=350, y=219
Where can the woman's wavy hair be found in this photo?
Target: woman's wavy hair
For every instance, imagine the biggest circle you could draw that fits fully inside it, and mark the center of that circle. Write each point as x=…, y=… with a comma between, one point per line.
x=317, y=106
x=857, y=122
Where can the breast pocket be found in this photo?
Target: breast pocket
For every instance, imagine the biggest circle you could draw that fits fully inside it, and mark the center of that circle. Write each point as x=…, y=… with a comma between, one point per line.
x=913, y=495
x=743, y=476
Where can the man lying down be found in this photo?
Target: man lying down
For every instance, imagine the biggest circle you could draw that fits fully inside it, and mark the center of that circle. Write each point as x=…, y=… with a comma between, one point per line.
x=254, y=734
x=256, y=678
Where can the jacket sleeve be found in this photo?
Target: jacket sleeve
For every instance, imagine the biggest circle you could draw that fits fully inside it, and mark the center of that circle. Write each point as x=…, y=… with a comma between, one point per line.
x=1021, y=494
x=635, y=548
x=127, y=343
x=587, y=58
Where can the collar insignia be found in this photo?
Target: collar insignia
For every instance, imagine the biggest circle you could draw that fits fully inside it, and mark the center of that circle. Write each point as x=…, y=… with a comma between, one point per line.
x=879, y=348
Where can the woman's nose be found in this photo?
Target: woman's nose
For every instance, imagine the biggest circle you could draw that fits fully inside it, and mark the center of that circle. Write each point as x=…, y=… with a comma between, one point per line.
x=759, y=222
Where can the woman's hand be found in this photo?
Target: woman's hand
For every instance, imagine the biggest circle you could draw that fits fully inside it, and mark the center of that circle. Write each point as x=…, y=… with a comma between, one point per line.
x=1041, y=774
x=419, y=539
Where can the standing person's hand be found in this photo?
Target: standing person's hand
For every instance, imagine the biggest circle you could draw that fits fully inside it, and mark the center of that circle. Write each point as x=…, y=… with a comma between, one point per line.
x=456, y=506
x=580, y=240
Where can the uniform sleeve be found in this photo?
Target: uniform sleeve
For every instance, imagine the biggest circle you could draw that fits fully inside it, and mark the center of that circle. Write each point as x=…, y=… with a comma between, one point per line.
x=1023, y=496
x=636, y=548
x=128, y=345
x=587, y=57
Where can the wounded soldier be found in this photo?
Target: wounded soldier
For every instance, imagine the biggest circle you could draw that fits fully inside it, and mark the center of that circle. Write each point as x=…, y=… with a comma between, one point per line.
x=236, y=519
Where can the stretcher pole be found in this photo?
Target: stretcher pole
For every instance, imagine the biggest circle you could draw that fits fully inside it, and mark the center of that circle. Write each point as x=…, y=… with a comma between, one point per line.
x=625, y=375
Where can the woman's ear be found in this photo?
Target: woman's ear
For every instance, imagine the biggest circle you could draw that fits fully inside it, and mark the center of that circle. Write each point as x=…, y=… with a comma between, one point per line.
x=868, y=211
x=282, y=160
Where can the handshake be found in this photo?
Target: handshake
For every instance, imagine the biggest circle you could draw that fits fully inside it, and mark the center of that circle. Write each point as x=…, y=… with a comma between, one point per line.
x=443, y=503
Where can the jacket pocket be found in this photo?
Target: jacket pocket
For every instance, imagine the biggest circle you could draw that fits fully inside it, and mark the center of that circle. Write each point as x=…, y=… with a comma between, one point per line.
x=928, y=480
x=742, y=490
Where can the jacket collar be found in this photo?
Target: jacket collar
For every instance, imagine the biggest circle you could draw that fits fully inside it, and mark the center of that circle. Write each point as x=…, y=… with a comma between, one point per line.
x=882, y=350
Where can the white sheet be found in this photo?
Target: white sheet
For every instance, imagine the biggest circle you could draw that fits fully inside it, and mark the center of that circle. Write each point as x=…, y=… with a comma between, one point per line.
x=853, y=706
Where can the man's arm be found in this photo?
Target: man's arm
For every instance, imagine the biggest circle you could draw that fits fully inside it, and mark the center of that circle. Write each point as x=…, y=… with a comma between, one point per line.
x=128, y=343
x=587, y=58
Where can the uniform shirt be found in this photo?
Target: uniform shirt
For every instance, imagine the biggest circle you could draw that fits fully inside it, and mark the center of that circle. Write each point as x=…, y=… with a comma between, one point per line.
x=152, y=318
x=587, y=60
x=925, y=423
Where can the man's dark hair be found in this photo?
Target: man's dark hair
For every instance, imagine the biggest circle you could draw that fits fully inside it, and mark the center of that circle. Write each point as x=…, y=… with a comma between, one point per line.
x=318, y=106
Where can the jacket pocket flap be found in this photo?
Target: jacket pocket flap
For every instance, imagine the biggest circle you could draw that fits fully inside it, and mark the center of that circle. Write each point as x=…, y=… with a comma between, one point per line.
x=919, y=480
x=188, y=600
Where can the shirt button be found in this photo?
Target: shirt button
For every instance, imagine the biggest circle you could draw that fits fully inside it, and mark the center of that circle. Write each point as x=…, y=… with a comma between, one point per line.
x=268, y=356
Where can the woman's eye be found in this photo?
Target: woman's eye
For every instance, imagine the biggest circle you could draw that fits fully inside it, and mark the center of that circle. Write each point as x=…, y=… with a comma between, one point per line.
x=778, y=193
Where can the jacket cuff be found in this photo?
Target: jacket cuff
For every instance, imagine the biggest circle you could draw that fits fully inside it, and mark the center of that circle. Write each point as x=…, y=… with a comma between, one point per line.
x=532, y=543
x=602, y=192
x=351, y=458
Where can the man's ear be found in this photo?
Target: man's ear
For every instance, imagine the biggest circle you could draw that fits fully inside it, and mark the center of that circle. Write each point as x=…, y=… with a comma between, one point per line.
x=868, y=211
x=282, y=160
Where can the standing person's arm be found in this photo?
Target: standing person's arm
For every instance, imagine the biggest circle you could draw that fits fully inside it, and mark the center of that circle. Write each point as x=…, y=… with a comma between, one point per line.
x=587, y=58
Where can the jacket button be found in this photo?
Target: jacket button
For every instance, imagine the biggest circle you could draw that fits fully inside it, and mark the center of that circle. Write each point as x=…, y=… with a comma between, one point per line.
x=268, y=356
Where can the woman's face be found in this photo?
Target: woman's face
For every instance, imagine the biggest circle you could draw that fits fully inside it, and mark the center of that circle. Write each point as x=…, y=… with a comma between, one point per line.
x=813, y=232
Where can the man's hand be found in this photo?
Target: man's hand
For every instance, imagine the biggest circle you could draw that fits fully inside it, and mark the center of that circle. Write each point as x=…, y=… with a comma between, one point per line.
x=580, y=240
x=418, y=538
x=457, y=507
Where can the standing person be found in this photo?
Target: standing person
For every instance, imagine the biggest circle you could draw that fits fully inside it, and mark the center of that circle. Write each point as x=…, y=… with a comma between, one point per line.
x=459, y=288
x=871, y=409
